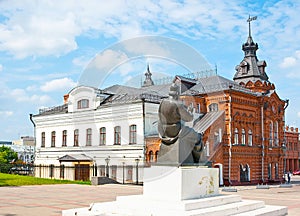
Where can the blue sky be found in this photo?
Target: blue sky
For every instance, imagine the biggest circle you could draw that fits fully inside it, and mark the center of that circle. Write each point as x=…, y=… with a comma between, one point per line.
x=45, y=46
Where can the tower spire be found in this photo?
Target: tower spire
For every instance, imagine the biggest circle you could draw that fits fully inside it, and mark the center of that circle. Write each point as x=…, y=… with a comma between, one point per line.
x=250, y=68
x=148, y=80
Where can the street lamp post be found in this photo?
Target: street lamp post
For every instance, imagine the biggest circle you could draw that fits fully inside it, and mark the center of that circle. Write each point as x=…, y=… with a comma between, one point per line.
x=107, y=168
x=96, y=170
x=137, y=160
x=123, y=163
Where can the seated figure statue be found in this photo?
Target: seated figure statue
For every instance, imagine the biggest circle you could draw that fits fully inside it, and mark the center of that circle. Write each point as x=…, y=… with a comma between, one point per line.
x=180, y=144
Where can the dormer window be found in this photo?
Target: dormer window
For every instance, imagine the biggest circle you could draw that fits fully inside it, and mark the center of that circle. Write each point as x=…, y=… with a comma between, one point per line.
x=82, y=104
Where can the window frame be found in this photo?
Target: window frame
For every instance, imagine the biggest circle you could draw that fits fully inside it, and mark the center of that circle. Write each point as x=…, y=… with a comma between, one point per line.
x=102, y=136
x=76, y=137
x=89, y=134
x=64, y=138
x=236, y=136
x=43, y=139
x=250, y=138
x=83, y=104
x=132, y=134
x=53, y=137
x=117, y=135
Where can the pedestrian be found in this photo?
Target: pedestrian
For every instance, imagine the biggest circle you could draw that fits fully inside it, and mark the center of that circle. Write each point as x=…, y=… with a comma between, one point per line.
x=289, y=177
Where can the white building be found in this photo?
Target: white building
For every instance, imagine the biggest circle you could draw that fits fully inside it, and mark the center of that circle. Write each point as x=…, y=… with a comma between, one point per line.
x=97, y=128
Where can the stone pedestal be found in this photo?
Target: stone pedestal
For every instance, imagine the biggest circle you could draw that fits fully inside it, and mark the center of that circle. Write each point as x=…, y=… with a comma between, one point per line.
x=179, y=191
x=180, y=183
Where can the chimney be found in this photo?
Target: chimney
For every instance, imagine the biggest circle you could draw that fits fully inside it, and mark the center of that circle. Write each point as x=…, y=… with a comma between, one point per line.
x=66, y=98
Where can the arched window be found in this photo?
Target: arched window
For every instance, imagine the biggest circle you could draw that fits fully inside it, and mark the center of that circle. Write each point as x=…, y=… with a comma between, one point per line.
x=216, y=139
x=151, y=156
x=102, y=136
x=64, y=138
x=43, y=138
x=117, y=135
x=76, y=137
x=250, y=139
x=207, y=148
x=156, y=154
x=236, y=136
x=276, y=133
x=198, y=108
x=213, y=107
x=271, y=134
x=88, y=137
x=53, y=134
x=132, y=134
x=82, y=104
x=243, y=137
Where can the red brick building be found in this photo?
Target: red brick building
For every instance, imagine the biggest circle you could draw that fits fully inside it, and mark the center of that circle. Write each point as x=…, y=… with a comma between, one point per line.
x=292, y=153
x=242, y=121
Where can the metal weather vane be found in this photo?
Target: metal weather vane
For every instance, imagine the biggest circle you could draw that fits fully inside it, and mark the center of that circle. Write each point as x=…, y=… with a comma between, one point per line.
x=249, y=20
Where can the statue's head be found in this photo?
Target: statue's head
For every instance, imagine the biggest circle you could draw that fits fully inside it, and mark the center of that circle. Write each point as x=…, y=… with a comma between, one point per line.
x=174, y=91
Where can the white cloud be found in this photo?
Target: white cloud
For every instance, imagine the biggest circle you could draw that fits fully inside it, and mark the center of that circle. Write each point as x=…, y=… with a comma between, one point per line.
x=288, y=62
x=291, y=64
x=1, y=67
x=20, y=95
x=6, y=113
x=108, y=59
x=63, y=84
x=39, y=28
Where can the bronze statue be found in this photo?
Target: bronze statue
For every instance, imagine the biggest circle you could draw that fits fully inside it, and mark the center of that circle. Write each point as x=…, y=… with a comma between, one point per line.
x=180, y=144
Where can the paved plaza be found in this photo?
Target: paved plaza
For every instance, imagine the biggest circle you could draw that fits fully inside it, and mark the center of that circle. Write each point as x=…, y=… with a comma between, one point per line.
x=52, y=199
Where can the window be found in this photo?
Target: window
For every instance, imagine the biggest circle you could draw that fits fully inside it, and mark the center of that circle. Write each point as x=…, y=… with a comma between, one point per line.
x=117, y=135
x=151, y=156
x=88, y=137
x=250, y=138
x=64, y=138
x=271, y=134
x=276, y=133
x=243, y=137
x=76, y=136
x=129, y=173
x=236, y=136
x=82, y=104
x=213, y=107
x=276, y=171
x=102, y=136
x=43, y=139
x=53, y=138
x=216, y=139
x=220, y=135
x=207, y=148
x=114, y=172
x=198, y=108
x=132, y=134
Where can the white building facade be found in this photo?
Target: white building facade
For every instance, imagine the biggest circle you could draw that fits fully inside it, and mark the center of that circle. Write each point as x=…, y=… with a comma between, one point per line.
x=97, y=133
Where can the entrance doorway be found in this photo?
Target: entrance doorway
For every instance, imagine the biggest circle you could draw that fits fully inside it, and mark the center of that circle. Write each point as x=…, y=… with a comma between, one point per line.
x=82, y=172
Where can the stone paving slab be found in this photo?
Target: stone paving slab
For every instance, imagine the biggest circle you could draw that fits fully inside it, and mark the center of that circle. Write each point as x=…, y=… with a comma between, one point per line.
x=50, y=200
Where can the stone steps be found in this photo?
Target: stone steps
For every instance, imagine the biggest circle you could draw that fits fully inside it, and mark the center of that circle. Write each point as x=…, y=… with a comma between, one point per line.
x=138, y=205
x=268, y=210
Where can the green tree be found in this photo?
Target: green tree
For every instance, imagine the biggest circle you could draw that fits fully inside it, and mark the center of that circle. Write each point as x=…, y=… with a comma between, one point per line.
x=7, y=155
